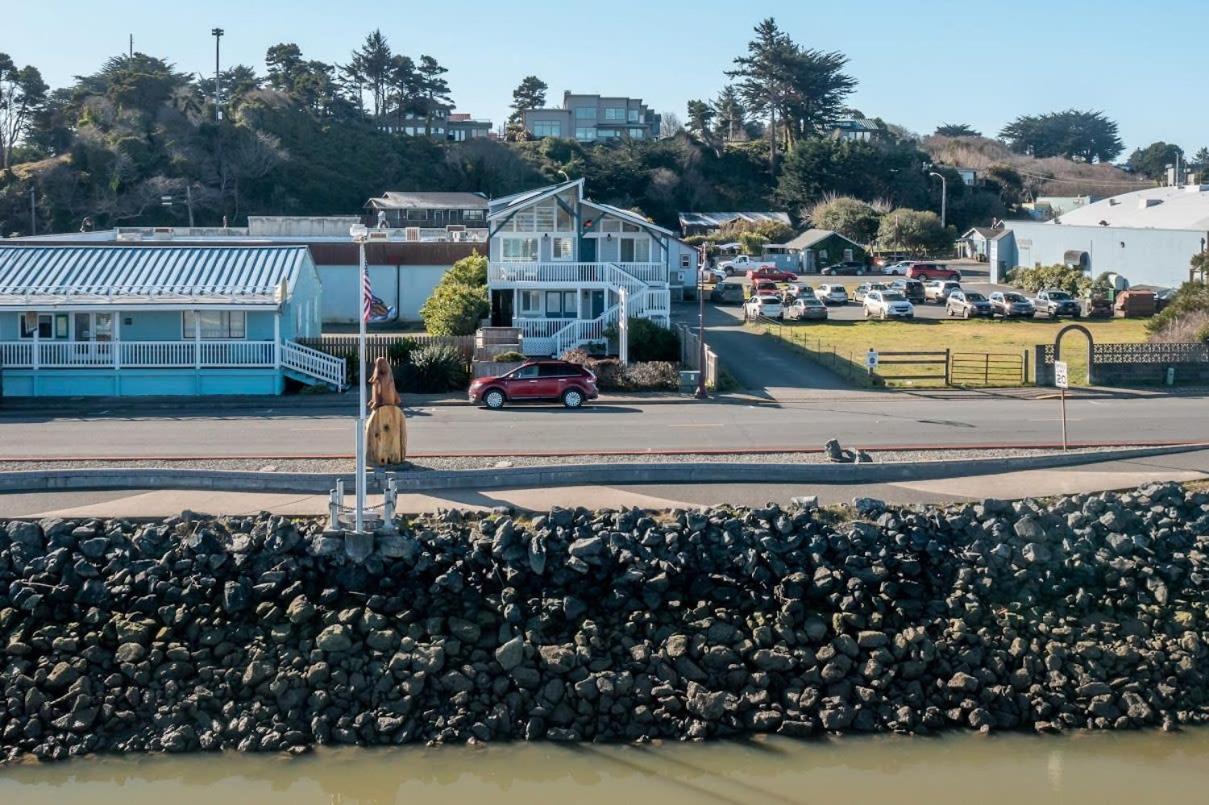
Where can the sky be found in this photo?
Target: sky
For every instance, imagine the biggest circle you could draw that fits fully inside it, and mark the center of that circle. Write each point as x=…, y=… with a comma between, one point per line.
x=918, y=64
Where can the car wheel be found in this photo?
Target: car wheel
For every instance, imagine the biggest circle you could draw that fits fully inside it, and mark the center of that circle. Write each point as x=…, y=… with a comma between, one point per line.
x=573, y=398
x=883, y=315
x=866, y=313
x=965, y=314
x=494, y=399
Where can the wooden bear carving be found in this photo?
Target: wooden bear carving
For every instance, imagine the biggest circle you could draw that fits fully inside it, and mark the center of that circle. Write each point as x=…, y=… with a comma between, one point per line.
x=386, y=429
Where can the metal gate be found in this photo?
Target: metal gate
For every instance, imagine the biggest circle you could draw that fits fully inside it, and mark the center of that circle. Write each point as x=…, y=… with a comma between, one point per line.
x=988, y=368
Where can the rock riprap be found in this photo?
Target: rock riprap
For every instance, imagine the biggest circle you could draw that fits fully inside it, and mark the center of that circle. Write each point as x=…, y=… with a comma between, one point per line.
x=261, y=634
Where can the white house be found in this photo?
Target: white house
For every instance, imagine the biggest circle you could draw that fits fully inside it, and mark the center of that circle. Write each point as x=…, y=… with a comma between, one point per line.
x=562, y=267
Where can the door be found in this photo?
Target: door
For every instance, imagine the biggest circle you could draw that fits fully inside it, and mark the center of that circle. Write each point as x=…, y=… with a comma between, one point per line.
x=594, y=304
x=552, y=381
x=587, y=250
x=523, y=384
x=501, y=308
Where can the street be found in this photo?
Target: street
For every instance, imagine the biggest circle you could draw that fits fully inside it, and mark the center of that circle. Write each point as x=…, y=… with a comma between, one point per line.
x=870, y=420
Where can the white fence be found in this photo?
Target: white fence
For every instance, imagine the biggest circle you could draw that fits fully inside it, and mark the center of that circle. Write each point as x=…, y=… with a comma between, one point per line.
x=136, y=354
x=519, y=273
x=690, y=355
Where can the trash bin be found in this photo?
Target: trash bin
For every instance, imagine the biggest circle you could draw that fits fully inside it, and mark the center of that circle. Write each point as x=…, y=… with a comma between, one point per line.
x=689, y=379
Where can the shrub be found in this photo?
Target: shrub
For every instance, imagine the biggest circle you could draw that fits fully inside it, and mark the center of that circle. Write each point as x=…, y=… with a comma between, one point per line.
x=652, y=342
x=752, y=242
x=1071, y=279
x=437, y=368
x=400, y=351
x=509, y=357
x=459, y=302
x=638, y=376
x=1186, y=316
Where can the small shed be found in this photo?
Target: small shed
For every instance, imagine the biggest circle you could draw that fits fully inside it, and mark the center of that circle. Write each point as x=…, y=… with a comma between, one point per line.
x=816, y=248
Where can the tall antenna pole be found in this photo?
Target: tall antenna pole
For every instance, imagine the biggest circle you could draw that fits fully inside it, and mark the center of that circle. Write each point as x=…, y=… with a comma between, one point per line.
x=132, y=46
x=217, y=34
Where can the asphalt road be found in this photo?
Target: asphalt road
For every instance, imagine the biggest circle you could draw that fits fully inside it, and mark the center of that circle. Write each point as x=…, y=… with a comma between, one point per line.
x=866, y=420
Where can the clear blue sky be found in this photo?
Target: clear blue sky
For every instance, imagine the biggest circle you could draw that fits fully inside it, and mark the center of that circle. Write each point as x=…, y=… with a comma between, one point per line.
x=919, y=64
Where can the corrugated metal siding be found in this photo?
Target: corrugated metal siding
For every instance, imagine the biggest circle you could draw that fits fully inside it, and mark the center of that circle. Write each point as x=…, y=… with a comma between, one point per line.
x=142, y=271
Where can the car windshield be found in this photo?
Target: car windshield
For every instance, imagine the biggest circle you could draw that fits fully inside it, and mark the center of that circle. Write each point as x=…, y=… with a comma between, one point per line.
x=893, y=296
x=769, y=300
x=838, y=289
x=1014, y=297
x=811, y=302
x=975, y=297
x=1059, y=296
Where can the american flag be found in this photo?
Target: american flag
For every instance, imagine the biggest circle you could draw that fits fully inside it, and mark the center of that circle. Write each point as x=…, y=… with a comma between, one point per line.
x=367, y=296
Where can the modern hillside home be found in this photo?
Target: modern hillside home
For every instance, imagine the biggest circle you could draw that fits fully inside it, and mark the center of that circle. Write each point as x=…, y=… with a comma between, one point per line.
x=562, y=267
x=592, y=118
x=158, y=320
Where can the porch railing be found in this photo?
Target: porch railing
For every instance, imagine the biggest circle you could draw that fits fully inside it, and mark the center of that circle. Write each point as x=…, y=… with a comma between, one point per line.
x=603, y=273
x=135, y=354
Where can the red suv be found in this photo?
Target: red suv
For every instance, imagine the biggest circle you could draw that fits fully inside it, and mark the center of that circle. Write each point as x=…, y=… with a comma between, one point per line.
x=535, y=381
x=933, y=271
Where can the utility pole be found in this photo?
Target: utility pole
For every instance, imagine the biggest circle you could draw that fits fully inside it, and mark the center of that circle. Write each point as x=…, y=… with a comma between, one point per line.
x=703, y=264
x=33, y=211
x=944, y=194
x=131, y=46
x=217, y=34
x=189, y=202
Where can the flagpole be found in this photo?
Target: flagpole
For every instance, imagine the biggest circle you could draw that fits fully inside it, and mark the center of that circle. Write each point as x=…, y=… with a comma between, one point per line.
x=360, y=233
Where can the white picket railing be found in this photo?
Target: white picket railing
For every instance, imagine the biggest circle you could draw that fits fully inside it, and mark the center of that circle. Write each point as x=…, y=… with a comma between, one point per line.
x=16, y=353
x=157, y=354
x=518, y=273
x=135, y=354
x=313, y=363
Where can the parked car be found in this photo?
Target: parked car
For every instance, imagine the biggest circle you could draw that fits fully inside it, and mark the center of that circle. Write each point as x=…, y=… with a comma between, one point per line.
x=938, y=290
x=728, y=293
x=888, y=305
x=932, y=271
x=912, y=289
x=1055, y=303
x=796, y=290
x=536, y=381
x=742, y=264
x=771, y=272
x=765, y=288
x=830, y=294
x=846, y=267
x=712, y=275
x=968, y=304
x=899, y=268
x=890, y=258
x=865, y=287
x=763, y=306
x=806, y=308
x=1011, y=305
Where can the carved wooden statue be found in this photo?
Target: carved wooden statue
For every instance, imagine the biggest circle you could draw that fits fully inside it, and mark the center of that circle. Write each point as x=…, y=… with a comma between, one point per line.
x=386, y=429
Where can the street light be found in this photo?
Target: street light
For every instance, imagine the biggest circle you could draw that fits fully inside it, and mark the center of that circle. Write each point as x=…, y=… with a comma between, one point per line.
x=701, y=394
x=360, y=234
x=944, y=193
x=217, y=34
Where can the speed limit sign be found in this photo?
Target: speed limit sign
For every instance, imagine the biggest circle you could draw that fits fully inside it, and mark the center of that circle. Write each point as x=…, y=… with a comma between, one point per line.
x=1061, y=377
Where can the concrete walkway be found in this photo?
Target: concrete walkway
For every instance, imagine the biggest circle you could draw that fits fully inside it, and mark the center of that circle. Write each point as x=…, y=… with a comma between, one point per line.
x=1038, y=483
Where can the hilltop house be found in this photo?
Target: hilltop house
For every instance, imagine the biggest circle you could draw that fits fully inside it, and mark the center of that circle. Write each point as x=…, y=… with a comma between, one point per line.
x=589, y=118
x=560, y=265
x=158, y=320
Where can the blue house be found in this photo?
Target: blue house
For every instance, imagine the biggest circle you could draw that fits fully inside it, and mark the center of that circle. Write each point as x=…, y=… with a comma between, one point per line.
x=158, y=320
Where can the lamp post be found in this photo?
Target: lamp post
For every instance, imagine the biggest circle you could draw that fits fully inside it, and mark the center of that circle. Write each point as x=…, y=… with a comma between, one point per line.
x=701, y=393
x=360, y=233
x=217, y=34
x=944, y=194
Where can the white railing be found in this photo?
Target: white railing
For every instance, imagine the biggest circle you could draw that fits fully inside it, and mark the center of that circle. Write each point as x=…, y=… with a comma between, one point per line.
x=157, y=354
x=574, y=273
x=135, y=354
x=540, y=328
x=313, y=363
x=16, y=354
x=237, y=353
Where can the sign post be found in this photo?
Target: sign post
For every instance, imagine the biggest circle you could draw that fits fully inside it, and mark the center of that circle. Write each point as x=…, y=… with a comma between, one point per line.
x=1062, y=381
x=871, y=360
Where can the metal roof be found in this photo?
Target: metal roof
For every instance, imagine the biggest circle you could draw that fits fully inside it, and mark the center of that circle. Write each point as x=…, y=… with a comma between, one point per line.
x=147, y=275
x=396, y=200
x=1185, y=207
x=814, y=236
x=717, y=219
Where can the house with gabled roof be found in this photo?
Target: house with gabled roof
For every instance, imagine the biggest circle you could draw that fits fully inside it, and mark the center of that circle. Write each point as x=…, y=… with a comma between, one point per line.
x=563, y=268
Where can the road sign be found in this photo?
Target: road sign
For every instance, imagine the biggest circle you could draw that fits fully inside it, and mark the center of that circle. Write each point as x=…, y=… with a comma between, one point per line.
x=871, y=359
x=1061, y=376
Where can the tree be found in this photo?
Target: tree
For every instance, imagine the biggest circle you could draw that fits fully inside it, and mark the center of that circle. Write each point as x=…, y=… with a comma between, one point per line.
x=1152, y=161
x=459, y=302
x=818, y=88
x=764, y=76
x=912, y=231
x=434, y=88
x=1200, y=164
x=284, y=64
x=700, y=115
x=406, y=92
x=824, y=166
x=237, y=82
x=730, y=114
x=22, y=95
x=1083, y=135
x=670, y=125
x=956, y=130
x=373, y=64
x=854, y=219
x=529, y=94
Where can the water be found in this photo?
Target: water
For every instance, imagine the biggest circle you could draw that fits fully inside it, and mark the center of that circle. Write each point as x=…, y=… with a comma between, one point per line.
x=1074, y=769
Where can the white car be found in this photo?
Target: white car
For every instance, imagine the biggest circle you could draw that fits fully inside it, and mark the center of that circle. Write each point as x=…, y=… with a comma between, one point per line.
x=768, y=307
x=830, y=294
x=899, y=268
x=712, y=275
x=888, y=305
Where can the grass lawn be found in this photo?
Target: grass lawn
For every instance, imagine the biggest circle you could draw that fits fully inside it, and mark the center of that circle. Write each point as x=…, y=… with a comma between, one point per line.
x=842, y=345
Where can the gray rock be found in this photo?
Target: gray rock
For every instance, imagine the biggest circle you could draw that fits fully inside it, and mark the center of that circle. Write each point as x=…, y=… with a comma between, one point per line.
x=334, y=638
x=511, y=654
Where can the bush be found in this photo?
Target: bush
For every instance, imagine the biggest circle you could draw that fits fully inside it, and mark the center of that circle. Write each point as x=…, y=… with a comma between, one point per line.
x=400, y=351
x=509, y=357
x=640, y=376
x=652, y=342
x=1071, y=279
x=752, y=242
x=1185, y=318
x=437, y=368
x=459, y=302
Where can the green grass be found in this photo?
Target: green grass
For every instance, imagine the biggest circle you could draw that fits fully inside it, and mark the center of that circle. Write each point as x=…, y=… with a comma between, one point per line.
x=842, y=345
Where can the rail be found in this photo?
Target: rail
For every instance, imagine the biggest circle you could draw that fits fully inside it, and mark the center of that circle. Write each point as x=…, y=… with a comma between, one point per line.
x=135, y=354
x=313, y=363
x=574, y=273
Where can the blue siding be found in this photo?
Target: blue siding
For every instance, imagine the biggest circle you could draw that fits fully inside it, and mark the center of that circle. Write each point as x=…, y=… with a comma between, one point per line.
x=140, y=382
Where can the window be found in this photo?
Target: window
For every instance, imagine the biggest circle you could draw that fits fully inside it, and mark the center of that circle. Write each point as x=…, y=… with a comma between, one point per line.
x=562, y=249
x=585, y=134
x=635, y=250
x=632, y=115
x=564, y=222
x=94, y=327
x=215, y=324
x=472, y=215
x=610, y=225
x=525, y=372
x=519, y=249
x=686, y=261
x=585, y=113
x=637, y=134
x=530, y=302
x=43, y=323
x=614, y=113
x=608, y=134
x=560, y=304
x=417, y=215
x=544, y=216
x=547, y=128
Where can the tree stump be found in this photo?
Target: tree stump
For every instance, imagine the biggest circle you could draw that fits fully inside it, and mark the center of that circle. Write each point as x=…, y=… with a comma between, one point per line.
x=386, y=437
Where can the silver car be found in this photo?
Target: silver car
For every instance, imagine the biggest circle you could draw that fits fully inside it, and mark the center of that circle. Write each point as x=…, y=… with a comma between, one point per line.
x=830, y=294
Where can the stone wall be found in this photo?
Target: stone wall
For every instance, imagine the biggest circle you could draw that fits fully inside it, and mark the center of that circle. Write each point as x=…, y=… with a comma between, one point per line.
x=261, y=634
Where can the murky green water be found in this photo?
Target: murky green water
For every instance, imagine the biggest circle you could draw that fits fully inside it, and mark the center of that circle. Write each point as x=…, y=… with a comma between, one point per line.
x=1075, y=769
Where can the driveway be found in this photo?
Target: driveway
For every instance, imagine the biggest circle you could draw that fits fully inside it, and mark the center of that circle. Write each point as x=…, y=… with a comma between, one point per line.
x=762, y=365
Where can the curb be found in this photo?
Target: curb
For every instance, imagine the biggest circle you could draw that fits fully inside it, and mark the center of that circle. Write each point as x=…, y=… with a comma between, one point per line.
x=566, y=475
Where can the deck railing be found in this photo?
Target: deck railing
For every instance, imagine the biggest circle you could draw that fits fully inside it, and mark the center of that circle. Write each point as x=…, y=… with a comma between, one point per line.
x=604, y=273
x=135, y=354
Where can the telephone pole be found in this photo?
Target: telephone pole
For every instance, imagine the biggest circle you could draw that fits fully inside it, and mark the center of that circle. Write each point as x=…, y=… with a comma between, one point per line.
x=217, y=34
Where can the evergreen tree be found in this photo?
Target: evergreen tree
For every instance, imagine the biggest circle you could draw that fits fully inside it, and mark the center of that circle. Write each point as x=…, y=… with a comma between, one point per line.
x=22, y=95
x=373, y=63
x=764, y=75
x=434, y=88
x=729, y=114
x=956, y=130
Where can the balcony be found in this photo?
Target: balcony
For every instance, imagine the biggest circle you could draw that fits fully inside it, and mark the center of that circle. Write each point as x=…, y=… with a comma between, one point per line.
x=610, y=274
x=136, y=354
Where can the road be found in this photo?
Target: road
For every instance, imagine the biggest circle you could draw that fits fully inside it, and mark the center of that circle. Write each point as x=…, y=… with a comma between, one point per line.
x=866, y=420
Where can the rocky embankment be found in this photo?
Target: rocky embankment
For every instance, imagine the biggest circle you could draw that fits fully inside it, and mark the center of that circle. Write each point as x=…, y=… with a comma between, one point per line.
x=261, y=634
